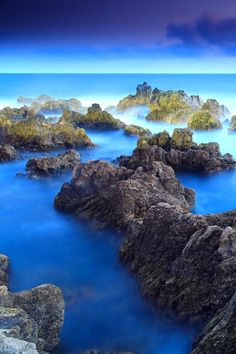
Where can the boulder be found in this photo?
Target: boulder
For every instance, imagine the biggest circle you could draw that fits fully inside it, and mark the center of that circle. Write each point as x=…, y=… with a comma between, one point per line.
x=7, y=153
x=51, y=166
x=136, y=130
x=10, y=345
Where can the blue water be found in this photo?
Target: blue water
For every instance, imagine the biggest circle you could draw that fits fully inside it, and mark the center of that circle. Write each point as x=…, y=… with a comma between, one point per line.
x=104, y=307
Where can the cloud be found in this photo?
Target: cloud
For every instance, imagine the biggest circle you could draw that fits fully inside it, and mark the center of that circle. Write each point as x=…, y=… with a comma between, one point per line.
x=206, y=31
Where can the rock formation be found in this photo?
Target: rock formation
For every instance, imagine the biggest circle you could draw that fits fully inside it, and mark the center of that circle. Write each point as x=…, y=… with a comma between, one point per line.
x=185, y=262
x=7, y=153
x=95, y=118
x=30, y=321
x=178, y=151
x=51, y=166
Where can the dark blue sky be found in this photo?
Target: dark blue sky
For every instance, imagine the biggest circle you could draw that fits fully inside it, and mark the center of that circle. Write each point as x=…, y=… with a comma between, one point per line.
x=124, y=35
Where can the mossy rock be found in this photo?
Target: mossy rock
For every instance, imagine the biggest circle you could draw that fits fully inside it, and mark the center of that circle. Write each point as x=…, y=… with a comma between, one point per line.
x=233, y=123
x=42, y=136
x=161, y=139
x=136, y=130
x=95, y=118
x=182, y=138
x=203, y=120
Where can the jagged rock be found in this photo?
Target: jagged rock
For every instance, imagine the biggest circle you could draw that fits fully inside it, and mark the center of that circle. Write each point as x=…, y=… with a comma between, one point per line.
x=177, y=257
x=34, y=316
x=204, y=120
x=217, y=110
x=136, y=130
x=54, y=107
x=178, y=151
x=95, y=118
x=116, y=195
x=48, y=166
x=10, y=345
x=38, y=135
x=219, y=336
x=7, y=153
x=41, y=99
x=45, y=305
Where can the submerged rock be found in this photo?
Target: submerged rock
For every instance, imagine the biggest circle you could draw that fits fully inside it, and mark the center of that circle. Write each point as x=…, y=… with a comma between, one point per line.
x=7, y=153
x=178, y=151
x=51, y=166
x=30, y=321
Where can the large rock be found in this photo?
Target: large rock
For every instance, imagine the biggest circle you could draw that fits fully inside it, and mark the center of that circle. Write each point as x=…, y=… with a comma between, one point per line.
x=29, y=319
x=95, y=118
x=51, y=166
x=180, y=152
x=204, y=120
x=35, y=134
x=116, y=195
x=7, y=153
x=219, y=336
x=45, y=305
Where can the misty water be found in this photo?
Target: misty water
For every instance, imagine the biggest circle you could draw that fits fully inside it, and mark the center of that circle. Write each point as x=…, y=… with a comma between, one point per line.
x=104, y=306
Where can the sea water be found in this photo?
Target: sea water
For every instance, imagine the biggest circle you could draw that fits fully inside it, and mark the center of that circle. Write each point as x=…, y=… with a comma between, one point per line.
x=104, y=307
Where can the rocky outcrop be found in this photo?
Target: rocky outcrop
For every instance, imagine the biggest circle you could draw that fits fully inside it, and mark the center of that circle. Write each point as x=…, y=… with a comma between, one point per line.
x=137, y=130
x=203, y=120
x=30, y=321
x=175, y=106
x=95, y=118
x=34, y=134
x=185, y=262
x=178, y=151
x=233, y=124
x=55, y=107
x=219, y=336
x=52, y=166
x=7, y=153
x=116, y=195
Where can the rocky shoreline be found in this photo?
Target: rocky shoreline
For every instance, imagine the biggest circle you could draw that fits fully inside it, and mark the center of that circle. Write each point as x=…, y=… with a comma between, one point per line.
x=31, y=320
x=185, y=263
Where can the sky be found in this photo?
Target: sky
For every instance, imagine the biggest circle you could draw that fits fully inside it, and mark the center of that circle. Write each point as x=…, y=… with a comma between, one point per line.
x=118, y=36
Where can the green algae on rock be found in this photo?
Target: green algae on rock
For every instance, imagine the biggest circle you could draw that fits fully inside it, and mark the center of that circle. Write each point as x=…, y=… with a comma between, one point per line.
x=95, y=118
x=203, y=120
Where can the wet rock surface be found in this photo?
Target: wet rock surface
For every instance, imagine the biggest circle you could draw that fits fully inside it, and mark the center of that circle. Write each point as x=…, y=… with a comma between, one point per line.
x=52, y=166
x=180, y=152
x=30, y=321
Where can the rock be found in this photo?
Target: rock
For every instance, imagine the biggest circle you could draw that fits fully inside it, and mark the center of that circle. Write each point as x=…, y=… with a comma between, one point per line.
x=115, y=195
x=4, y=264
x=45, y=305
x=219, y=336
x=51, y=166
x=164, y=252
x=41, y=99
x=233, y=123
x=10, y=345
x=55, y=107
x=217, y=110
x=203, y=120
x=29, y=319
x=178, y=151
x=95, y=118
x=136, y=130
x=7, y=153
x=37, y=135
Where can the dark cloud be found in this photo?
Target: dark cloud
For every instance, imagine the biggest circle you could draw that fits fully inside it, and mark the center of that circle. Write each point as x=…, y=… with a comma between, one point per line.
x=206, y=30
